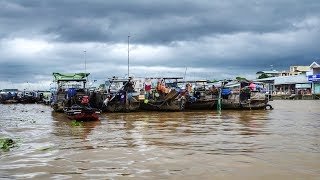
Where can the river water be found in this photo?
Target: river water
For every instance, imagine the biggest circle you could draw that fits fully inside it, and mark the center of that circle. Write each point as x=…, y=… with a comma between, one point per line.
x=283, y=143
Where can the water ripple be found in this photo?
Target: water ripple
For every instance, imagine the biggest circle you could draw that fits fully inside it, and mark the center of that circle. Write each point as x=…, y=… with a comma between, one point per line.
x=159, y=145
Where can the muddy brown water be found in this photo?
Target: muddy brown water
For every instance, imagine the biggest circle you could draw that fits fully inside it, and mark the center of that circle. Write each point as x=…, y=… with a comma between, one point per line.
x=283, y=143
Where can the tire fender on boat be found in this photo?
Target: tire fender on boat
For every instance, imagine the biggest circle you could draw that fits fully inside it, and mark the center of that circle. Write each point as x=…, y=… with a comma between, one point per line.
x=268, y=107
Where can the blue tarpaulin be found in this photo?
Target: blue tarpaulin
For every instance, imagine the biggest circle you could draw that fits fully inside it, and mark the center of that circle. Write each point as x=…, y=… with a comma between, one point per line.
x=72, y=92
x=226, y=92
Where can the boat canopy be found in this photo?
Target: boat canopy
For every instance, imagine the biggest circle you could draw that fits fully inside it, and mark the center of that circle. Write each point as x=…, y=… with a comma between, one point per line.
x=164, y=78
x=70, y=77
x=9, y=90
x=118, y=79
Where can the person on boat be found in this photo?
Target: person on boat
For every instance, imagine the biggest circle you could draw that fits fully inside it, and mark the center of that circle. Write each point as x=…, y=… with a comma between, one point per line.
x=214, y=90
x=189, y=88
x=147, y=88
x=129, y=87
x=166, y=89
x=160, y=88
x=252, y=86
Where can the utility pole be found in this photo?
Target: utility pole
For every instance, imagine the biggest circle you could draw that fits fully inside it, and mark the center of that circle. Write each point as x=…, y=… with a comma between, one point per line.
x=85, y=61
x=85, y=64
x=128, y=55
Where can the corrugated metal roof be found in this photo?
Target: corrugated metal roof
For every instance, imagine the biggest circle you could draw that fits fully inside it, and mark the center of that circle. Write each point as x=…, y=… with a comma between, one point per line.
x=291, y=80
x=286, y=79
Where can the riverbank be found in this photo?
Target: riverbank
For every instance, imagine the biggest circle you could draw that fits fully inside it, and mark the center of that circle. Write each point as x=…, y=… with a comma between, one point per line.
x=296, y=97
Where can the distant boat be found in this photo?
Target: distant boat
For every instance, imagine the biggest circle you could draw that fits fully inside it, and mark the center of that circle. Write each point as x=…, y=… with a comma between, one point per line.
x=27, y=97
x=45, y=97
x=8, y=96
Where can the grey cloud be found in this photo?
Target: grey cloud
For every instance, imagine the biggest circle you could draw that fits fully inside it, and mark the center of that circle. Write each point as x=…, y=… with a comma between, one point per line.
x=161, y=22
x=237, y=37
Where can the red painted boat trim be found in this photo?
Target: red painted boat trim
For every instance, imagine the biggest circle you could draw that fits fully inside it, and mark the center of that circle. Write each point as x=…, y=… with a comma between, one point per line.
x=85, y=116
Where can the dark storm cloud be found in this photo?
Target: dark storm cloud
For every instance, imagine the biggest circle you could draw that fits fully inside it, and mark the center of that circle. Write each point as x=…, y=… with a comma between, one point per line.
x=150, y=22
x=222, y=37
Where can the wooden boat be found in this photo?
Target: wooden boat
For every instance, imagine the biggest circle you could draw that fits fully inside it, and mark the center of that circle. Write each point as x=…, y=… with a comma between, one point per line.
x=121, y=96
x=9, y=96
x=82, y=112
x=71, y=87
x=242, y=95
x=27, y=97
x=199, y=95
x=166, y=96
x=46, y=98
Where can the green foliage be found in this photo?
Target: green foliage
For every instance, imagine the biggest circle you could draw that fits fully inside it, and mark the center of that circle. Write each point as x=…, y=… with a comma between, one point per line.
x=262, y=76
x=6, y=144
x=241, y=78
x=75, y=123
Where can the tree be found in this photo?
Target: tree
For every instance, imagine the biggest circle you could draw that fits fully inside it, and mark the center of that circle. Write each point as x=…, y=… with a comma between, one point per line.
x=262, y=76
x=214, y=81
x=241, y=78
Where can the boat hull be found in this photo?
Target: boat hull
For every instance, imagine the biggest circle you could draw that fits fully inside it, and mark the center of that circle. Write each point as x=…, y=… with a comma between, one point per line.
x=122, y=106
x=117, y=107
x=84, y=117
x=82, y=113
x=178, y=105
x=201, y=105
x=243, y=105
x=58, y=106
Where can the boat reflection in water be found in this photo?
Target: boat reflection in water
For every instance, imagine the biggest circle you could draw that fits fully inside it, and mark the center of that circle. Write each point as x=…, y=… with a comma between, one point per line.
x=193, y=130
x=65, y=127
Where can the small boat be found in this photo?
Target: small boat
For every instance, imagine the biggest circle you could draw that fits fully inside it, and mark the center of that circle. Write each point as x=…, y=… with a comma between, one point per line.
x=82, y=112
x=243, y=95
x=9, y=96
x=27, y=97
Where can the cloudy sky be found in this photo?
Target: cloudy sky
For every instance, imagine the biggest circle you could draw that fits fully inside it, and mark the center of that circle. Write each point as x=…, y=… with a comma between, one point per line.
x=213, y=39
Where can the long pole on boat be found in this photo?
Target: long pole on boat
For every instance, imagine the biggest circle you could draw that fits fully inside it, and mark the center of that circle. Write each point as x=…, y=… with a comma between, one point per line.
x=85, y=64
x=185, y=72
x=85, y=61
x=219, y=97
x=128, y=55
